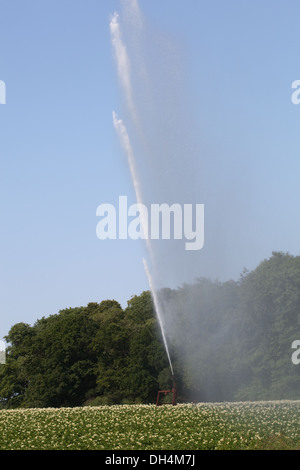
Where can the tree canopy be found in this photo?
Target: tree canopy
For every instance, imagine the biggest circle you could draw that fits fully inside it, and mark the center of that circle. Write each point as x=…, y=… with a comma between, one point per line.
x=228, y=341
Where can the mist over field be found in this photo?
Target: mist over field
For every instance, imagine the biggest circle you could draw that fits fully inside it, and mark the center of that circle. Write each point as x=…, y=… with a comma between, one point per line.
x=172, y=160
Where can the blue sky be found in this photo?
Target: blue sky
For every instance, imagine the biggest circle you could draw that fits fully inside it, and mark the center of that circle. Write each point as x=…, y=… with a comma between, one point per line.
x=60, y=157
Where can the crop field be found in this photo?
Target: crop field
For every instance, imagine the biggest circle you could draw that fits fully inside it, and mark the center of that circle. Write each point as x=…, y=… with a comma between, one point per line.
x=247, y=425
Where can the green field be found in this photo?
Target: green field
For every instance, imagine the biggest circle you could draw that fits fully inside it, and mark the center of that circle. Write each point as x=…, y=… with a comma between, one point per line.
x=248, y=425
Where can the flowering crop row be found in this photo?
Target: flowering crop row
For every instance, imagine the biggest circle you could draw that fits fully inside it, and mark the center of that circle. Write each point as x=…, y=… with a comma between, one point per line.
x=244, y=425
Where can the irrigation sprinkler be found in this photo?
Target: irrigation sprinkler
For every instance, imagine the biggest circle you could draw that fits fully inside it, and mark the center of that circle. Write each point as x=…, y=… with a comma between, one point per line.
x=167, y=392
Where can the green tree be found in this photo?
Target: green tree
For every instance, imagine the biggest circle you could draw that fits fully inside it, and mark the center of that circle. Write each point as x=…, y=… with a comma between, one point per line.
x=270, y=321
x=51, y=363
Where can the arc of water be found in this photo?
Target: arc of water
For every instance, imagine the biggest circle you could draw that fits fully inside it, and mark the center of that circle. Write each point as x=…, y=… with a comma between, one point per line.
x=123, y=64
x=158, y=312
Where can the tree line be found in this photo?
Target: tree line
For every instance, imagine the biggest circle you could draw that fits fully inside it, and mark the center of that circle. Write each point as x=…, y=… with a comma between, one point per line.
x=228, y=341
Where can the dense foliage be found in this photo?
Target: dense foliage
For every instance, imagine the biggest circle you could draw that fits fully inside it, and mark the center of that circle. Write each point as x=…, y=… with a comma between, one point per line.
x=72, y=357
x=228, y=341
x=236, y=337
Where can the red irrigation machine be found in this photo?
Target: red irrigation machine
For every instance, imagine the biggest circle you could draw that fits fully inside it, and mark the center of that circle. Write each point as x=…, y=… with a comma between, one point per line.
x=167, y=392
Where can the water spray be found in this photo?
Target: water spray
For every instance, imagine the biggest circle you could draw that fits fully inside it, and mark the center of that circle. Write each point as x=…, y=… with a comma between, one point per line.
x=124, y=73
x=158, y=313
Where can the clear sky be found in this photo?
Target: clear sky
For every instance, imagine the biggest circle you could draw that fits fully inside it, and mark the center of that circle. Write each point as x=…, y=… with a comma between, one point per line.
x=60, y=157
